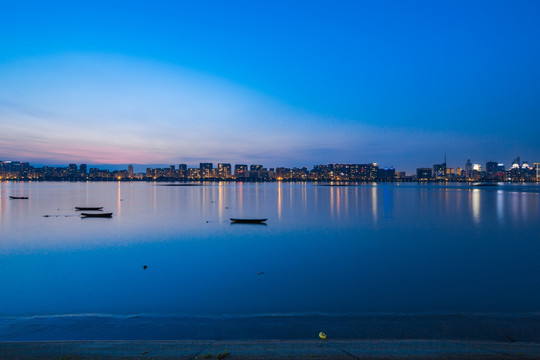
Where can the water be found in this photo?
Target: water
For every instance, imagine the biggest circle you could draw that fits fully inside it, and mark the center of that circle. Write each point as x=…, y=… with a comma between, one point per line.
x=339, y=255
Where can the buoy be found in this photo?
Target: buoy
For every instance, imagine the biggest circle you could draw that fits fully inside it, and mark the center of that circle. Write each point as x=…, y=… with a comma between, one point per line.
x=322, y=336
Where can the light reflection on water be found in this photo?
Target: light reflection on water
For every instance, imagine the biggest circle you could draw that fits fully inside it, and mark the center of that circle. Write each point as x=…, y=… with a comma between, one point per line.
x=475, y=202
x=332, y=249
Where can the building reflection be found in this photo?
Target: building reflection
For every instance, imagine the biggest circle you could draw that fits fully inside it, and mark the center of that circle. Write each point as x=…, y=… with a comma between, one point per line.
x=240, y=197
x=1, y=202
x=388, y=201
x=221, y=200
x=475, y=202
x=500, y=205
x=119, y=198
x=279, y=199
x=374, y=202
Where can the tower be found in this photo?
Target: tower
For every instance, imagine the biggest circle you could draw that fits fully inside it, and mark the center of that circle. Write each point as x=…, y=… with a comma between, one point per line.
x=468, y=168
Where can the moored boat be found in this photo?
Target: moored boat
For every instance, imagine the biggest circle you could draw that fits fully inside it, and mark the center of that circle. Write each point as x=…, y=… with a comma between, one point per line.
x=96, y=208
x=102, y=215
x=18, y=197
x=248, y=221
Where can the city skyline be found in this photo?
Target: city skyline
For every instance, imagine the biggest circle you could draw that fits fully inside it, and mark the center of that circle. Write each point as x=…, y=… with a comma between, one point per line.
x=280, y=83
x=493, y=171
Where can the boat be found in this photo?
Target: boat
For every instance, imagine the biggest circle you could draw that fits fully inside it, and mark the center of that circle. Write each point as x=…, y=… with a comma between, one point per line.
x=485, y=184
x=248, y=221
x=101, y=215
x=19, y=197
x=97, y=208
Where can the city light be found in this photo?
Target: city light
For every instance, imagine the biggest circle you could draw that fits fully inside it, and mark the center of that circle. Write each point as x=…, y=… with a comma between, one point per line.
x=369, y=172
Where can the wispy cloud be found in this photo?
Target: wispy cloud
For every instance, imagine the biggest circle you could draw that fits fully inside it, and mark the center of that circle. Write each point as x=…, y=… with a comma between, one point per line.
x=98, y=109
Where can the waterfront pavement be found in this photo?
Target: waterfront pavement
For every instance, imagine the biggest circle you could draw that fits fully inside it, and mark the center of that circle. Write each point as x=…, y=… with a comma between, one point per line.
x=272, y=349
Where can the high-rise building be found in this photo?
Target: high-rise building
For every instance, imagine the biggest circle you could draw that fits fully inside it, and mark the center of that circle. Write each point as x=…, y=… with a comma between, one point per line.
x=130, y=171
x=224, y=171
x=255, y=168
x=468, y=168
x=83, y=169
x=182, y=170
x=492, y=167
x=439, y=170
x=423, y=173
x=387, y=173
x=516, y=163
x=205, y=170
x=240, y=170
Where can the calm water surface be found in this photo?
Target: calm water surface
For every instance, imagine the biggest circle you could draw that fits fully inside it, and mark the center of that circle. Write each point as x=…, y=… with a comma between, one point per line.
x=332, y=250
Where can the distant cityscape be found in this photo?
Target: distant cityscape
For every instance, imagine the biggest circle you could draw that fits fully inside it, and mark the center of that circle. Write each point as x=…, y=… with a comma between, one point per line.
x=518, y=171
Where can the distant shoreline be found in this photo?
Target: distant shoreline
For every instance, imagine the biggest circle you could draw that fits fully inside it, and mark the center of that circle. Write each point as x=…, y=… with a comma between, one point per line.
x=191, y=182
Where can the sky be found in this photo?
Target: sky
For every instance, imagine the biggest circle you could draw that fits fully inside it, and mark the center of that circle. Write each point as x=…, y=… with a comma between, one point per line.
x=278, y=83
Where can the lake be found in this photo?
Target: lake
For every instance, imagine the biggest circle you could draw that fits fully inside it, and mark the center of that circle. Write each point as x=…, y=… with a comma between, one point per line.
x=368, y=260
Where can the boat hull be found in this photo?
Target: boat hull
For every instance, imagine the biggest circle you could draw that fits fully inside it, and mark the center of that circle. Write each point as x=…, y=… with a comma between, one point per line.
x=248, y=221
x=100, y=215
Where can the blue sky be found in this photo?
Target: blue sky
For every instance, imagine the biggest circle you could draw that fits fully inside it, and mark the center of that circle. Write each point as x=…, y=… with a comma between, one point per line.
x=296, y=83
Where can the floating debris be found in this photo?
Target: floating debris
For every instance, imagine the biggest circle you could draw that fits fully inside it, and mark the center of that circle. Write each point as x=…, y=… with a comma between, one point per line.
x=510, y=338
x=47, y=215
x=322, y=336
x=145, y=267
x=260, y=273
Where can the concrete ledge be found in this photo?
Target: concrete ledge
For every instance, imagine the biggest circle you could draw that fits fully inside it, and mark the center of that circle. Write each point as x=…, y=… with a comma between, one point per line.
x=274, y=349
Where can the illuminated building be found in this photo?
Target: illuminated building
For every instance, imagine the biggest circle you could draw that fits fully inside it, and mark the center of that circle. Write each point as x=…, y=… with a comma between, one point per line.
x=423, y=173
x=205, y=170
x=224, y=171
x=240, y=170
x=182, y=170
x=194, y=174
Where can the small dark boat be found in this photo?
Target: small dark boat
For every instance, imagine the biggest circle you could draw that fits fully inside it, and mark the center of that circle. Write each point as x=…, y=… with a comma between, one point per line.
x=248, y=221
x=97, y=208
x=101, y=215
x=19, y=197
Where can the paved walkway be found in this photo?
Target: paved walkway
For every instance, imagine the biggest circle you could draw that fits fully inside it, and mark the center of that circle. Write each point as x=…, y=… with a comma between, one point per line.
x=355, y=349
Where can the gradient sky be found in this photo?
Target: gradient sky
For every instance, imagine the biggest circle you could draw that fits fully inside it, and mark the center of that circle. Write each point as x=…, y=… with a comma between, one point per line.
x=291, y=83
